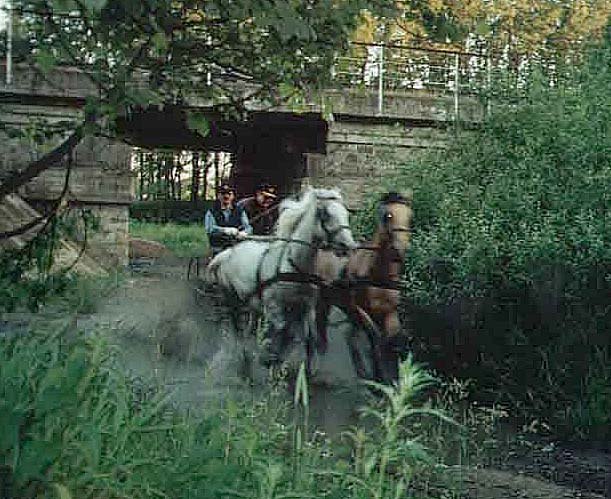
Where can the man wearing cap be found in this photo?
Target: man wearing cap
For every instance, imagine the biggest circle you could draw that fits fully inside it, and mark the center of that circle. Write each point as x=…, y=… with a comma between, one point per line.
x=261, y=209
x=225, y=221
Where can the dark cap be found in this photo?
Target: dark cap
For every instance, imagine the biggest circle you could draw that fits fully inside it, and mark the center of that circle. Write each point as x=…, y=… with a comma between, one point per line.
x=223, y=188
x=268, y=190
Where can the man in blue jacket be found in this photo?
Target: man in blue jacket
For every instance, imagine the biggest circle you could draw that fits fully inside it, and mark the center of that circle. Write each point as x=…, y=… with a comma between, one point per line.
x=226, y=222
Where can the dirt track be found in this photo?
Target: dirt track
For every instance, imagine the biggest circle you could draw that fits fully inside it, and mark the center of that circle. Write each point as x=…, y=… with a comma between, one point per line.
x=173, y=335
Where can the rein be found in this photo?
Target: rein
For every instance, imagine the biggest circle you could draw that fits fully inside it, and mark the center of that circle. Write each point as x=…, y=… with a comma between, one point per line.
x=267, y=239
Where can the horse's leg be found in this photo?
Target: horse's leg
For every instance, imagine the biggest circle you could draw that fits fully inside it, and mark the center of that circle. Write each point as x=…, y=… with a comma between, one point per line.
x=355, y=354
x=276, y=333
x=309, y=329
x=245, y=369
x=355, y=315
x=248, y=327
x=389, y=346
x=322, y=314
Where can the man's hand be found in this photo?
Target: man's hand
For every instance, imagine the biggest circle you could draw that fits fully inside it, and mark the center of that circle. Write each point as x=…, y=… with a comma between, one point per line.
x=231, y=231
x=242, y=234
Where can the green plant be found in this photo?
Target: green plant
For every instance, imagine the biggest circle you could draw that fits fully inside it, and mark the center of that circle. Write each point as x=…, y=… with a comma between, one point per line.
x=76, y=425
x=388, y=459
x=28, y=275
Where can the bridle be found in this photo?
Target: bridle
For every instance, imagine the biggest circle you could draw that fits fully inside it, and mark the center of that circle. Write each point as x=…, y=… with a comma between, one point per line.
x=300, y=275
x=386, y=219
x=323, y=216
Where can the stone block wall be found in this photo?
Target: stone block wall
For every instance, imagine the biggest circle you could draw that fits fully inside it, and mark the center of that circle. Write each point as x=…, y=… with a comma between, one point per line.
x=110, y=243
x=360, y=155
x=101, y=178
x=101, y=181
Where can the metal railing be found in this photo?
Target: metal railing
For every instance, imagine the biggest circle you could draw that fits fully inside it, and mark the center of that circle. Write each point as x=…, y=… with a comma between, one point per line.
x=394, y=68
x=391, y=68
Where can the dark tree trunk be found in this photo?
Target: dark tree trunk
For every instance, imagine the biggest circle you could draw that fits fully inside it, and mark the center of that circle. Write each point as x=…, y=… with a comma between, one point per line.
x=195, y=179
x=205, y=175
x=158, y=187
x=167, y=174
x=150, y=165
x=217, y=172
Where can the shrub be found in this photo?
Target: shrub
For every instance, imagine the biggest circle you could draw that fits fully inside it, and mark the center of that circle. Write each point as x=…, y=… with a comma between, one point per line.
x=512, y=243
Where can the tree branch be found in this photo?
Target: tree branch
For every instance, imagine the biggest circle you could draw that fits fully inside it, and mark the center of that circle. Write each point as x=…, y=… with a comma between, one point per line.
x=46, y=218
x=50, y=159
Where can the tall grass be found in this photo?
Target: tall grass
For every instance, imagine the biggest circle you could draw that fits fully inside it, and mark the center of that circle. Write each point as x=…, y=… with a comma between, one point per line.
x=74, y=425
x=181, y=239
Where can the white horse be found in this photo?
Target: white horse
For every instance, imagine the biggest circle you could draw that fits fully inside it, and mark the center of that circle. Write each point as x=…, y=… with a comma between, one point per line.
x=277, y=274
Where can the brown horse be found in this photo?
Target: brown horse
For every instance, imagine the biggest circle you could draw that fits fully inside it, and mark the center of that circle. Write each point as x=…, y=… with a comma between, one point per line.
x=366, y=285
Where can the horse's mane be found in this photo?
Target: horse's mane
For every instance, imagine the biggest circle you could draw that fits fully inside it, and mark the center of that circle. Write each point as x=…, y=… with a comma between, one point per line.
x=292, y=210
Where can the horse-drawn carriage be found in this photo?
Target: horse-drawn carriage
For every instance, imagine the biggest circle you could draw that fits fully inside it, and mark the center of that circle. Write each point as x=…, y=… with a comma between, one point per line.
x=311, y=263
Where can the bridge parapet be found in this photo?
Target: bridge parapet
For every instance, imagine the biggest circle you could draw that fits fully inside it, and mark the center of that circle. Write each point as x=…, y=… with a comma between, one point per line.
x=61, y=82
x=407, y=98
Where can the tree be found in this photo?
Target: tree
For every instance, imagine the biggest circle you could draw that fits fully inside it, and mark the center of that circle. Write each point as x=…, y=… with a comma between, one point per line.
x=231, y=52
x=523, y=26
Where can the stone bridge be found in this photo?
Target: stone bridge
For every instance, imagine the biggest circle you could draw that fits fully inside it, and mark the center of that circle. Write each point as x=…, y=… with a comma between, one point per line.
x=342, y=137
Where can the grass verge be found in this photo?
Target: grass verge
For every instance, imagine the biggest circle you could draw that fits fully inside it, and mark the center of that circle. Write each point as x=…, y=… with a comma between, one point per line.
x=181, y=239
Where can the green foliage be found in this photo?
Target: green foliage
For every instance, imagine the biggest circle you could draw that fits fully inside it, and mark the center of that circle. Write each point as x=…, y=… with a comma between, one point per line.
x=168, y=210
x=512, y=228
x=526, y=193
x=396, y=443
x=180, y=44
x=27, y=275
x=74, y=424
x=198, y=123
x=182, y=240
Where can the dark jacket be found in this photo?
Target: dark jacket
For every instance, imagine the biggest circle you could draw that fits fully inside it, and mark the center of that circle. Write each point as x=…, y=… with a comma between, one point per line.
x=218, y=239
x=262, y=219
x=235, y=219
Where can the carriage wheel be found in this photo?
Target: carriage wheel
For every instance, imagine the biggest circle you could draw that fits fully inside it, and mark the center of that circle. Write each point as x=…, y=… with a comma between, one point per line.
x=362, y=322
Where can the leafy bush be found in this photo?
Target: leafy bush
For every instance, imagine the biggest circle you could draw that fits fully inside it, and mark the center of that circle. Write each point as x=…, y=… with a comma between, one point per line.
x=28, y=277
x=169, y=210
x=512, y=243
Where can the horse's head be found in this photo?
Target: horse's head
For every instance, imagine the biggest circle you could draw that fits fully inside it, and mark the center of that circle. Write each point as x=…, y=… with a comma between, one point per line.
x=332, y=228
x=396, y=220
